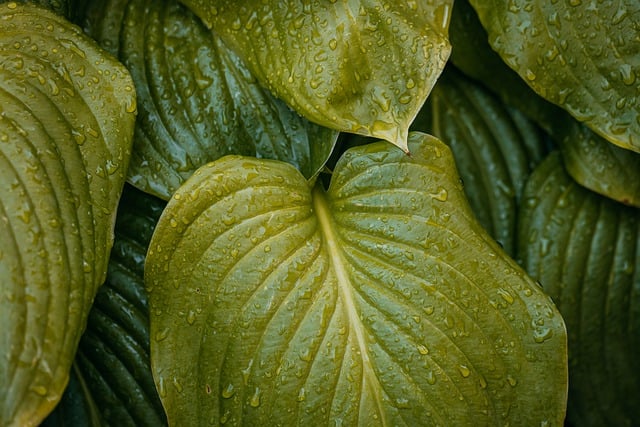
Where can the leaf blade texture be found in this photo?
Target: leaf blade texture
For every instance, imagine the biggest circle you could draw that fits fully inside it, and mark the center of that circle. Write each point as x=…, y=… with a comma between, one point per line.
x=66, y=129
x=369, y=303
x=360, y=67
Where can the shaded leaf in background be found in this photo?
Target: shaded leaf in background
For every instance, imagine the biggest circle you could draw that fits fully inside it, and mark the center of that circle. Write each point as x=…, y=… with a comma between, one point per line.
x=585, y=250
x=592, y=161
x=584, y=58
x=113, y=356
x=196, y=98
x=66, y=125
x=76, y=408
x=360, y=67
x=381, y=301
x=495, y=148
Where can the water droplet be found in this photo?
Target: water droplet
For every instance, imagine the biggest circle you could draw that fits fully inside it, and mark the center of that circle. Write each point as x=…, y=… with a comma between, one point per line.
x=541, y=335
x=442, y=195
x=464, y=371
x=191, y=317
x=530, y=75
x=302, y=395
x=177, y=384
x=333, y=44
x=511, y=381
x=431, y=378
x=228, y=391
x=506, y=296
x=422, y=349
x=255, y=398
x=40, y=390
x=162, y=335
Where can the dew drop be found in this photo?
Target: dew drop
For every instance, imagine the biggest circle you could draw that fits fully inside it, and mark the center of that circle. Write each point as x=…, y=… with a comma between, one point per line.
x=464, y=371
x=302, y=395
x=422, y=349
x=228, y=391
x=255, y=398
x=40, y=390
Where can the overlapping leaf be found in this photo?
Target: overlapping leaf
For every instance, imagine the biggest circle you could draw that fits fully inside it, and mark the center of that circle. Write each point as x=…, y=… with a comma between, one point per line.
x=495, y=148
x=583, y=58
x=66, y=124
x=378, y=302
x=361, y=67
x=585, y=250
x=592, y=161
x=197, y=100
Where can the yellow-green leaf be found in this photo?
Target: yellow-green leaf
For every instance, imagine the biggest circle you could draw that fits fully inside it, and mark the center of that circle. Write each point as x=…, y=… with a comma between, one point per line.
x=66, y=125
x=360, y=67
x=380, y=301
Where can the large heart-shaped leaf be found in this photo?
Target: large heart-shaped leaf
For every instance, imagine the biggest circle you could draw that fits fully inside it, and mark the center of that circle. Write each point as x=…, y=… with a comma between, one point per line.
x=585, y=250
x=354, y=66
x=582, y=57
x=66, y=125
x=196, y=98
x=378, y=302
x=617, y=174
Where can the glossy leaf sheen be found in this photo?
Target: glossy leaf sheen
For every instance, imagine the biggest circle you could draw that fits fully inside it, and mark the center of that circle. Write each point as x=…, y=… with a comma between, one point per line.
x=582, y=57
x=591, y=160
x=65, y=139
x=585, y=250
x=378, y=302
x=364, y=67
x=197, y=99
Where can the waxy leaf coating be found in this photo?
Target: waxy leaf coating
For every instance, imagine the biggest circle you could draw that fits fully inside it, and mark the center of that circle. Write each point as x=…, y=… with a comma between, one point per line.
x=380, y=301
x=581, y=55
x=585, y=251
x=364, y=67
x=197, y=100
x=67, y=111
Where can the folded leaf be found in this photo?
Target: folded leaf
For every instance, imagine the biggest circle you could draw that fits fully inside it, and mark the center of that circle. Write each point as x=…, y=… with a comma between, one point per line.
x=360, y=67
x=617, y=171
x=66, y=125
x=196, y=98
x=583, y=58
x=584, y=249
x=378, y=302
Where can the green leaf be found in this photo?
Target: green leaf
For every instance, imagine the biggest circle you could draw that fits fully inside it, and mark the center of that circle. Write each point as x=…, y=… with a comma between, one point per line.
x=197, y=99
x=495, y=148
x=378, y=302
x=584, y=249
x=617, y=171
x=66, y=125
x=583, y=58
x=360, y=67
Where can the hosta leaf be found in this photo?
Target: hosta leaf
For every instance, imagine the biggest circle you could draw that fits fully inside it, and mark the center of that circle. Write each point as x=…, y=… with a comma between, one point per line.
x=585, y=250
x=617, y=171
x=196, y=98
x=495, y=148
x=66, y=124
x=354, y=66
x=583, y=58
x=378, y=302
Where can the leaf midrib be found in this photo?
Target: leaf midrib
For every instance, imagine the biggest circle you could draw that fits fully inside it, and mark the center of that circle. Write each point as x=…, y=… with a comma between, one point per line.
x=345, y=292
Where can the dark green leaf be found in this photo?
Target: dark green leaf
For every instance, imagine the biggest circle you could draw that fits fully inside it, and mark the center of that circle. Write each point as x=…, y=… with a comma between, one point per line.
x=591, y=160
x=585, y=250
x=360, y=67
x=196, y=98
x=584, y=58
x=495, y=148
x=378, y=302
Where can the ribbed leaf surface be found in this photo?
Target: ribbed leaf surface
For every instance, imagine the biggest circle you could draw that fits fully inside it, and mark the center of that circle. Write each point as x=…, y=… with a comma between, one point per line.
x=378, y=302
x=66, y=124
